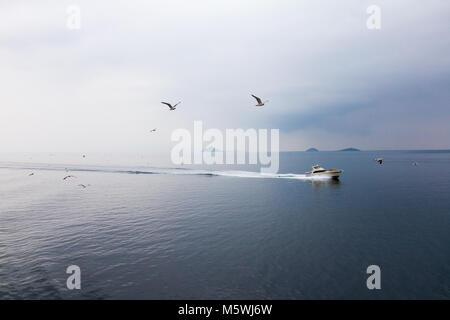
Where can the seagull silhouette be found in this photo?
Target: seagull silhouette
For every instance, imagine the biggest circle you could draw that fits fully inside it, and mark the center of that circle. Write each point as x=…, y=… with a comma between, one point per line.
x=69, y=176
x=153, y=130
x=260, y=103
x=170, y=106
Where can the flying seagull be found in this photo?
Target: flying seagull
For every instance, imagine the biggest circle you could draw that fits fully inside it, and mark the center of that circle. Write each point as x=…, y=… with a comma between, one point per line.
x=31, y=174
x=170, y=106
x=379, y=160
x=260, y=103
x=153, y=130
x=83, y=185
x=69, y=176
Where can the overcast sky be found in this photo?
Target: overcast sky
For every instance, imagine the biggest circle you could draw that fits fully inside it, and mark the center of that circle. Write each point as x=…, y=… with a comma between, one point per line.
x=331, y=82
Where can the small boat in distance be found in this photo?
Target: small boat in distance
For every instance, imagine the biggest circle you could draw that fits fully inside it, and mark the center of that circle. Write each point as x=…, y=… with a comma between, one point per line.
x=319, y=171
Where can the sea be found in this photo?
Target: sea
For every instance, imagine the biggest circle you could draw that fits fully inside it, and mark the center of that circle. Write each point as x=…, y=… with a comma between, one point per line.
x=139, y=229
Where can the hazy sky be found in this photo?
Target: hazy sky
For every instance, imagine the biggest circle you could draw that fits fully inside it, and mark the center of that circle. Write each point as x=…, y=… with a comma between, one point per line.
x=331, y=82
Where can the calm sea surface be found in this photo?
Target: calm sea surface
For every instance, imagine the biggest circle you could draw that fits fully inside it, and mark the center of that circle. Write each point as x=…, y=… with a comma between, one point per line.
x=143, y=233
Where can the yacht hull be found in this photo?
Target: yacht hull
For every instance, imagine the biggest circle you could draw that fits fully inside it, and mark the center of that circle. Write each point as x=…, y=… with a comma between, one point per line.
x=331, y=173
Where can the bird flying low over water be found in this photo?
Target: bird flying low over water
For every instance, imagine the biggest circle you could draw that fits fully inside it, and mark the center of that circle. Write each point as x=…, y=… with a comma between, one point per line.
x=379, y=160
x=69, y=176
x=260, y=103
x=83, y=186
x=170, y=106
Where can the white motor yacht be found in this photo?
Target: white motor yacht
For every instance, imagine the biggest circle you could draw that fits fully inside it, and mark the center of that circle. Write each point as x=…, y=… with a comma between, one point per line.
x=319, y=171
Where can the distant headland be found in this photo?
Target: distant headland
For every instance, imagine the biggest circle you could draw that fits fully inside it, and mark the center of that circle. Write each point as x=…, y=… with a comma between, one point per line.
x=346, y=149
x=350, y=149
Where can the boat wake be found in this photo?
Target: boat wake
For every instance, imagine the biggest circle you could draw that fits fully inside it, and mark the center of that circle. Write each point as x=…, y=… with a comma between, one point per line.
x=173, y=171
x=252, y=174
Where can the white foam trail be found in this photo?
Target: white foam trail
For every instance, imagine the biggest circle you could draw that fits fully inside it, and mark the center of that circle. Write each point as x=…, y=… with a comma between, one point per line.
x=240, y=174
x=177, y=171
x=252, y=174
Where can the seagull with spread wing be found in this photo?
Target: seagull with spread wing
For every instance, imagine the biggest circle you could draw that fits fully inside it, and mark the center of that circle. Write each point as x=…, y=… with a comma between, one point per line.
x=170, y=106
x=260, y=103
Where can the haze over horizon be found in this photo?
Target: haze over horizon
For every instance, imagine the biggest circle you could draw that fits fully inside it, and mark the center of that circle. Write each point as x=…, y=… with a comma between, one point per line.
x=332, y=83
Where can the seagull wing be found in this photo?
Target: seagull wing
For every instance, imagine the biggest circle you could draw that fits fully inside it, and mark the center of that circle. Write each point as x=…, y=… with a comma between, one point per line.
x=167, y=104
x=257, y=99
x=177, y=104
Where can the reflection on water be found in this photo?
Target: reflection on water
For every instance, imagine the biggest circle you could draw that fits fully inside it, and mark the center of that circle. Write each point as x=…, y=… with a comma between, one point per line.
x=332, y=183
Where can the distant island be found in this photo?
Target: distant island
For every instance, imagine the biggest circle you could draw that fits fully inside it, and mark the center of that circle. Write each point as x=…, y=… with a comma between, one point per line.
x=350, y=149
x=346, y=149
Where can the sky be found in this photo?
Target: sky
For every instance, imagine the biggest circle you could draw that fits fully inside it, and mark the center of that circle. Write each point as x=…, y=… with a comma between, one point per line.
x=331, y=82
